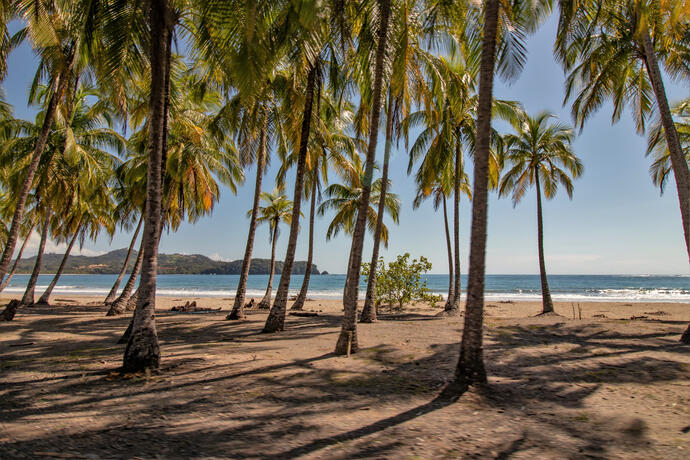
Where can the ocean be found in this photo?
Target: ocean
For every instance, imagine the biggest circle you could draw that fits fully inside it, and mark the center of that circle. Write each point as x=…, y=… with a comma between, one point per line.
x=579, y=288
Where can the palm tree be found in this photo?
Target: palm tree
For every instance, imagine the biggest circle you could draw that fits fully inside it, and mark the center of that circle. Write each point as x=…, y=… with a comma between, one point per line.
x=330, y=148
x=517, y=20
x=278, y=208
x=661, y=167
x=612, y=51
x=540, y=154
x=51, y=29
x=347, y=340
x=439, y=189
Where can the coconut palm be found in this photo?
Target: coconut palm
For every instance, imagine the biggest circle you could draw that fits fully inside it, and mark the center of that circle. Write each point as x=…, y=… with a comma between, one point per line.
x=53, y=28
x=502, y=49
x=347, y=340
x=277, y=209
x=330, y=147
x=409, y=58
x=612, y=51
x=540, y=154
x=439, y=189
x=661, y=167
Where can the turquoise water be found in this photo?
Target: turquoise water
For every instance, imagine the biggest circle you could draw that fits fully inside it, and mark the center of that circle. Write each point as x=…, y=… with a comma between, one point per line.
x=498, y=287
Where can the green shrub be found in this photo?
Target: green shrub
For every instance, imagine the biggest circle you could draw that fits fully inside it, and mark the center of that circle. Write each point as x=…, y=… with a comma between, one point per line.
x=400, y=283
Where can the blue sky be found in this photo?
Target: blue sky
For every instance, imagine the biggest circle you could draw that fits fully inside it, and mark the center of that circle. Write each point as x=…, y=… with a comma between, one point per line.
x=617, y=223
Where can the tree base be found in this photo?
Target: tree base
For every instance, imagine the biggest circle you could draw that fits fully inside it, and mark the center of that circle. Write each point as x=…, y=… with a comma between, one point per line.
x=449, y=313
x=549, y=313
x=236, y=315
x=142, y=352
x=264, y=305
x=10, y=310
x=274, y=323
x=685, y=338
x=116, y=309
x=341, y=346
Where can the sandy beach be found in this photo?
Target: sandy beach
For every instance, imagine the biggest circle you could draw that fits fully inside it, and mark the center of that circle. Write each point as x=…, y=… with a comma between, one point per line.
x=604, y=386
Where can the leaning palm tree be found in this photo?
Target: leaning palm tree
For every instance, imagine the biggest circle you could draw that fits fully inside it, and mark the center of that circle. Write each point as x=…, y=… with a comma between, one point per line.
x=540, y=153
x=278, y=208
x=613, y=50
x=662, y=166
x=347, y=340
x=52, y=28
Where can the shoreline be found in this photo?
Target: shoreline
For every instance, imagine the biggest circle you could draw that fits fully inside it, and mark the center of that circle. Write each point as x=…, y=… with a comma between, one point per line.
x=673, y=311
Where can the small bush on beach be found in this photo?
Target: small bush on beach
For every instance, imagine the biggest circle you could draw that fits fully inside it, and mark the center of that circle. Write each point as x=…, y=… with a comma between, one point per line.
x=400, y=283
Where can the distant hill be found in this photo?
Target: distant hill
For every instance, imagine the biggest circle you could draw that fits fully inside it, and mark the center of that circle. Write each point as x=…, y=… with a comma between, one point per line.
x=188, y=264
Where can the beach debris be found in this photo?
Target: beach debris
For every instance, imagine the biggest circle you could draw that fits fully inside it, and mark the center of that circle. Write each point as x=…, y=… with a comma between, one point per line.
x=22, y=344
x=303, y=313
x=656, y=313
x=190, y=307
x=639, y=317
x=600, y=315
x=505, y=301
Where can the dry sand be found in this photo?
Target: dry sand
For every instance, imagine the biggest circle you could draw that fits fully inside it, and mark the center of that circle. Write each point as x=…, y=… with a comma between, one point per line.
x=604, y=386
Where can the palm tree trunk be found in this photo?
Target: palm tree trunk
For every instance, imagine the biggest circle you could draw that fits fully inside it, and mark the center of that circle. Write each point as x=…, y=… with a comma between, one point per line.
x=142, y=350
x=266, y=301
x=44, y=299
x=678, y=161
x=276, y=318
x=347, y=339
x=302, y=297
x=8, y=278
x=470, y=369
x=451, y=280
x=453, y=308
x=238, y=307
x=28, y=298
x=369, y=309
x=60, y=83
x=119, y=305
x=545, y=293
x=113, y=292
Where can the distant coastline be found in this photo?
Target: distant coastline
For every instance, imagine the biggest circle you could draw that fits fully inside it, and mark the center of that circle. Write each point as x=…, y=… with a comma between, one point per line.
x=171, y=264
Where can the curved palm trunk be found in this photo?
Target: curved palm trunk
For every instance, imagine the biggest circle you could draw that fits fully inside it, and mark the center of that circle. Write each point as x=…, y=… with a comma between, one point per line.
x=470, y=368
x=453, y=308
x=369, y=309
x=545, y=293
x=44, y=299
x=266, y=301
x=276, y=318
x=348, y=332
x=678, y=161
x=119, y=305
x=8, y=278
x=60, y=84
x=113, y=292
x=28, y=298
x=238, y=307
x=302, y=297
x=451, y=280
x=142, y=350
